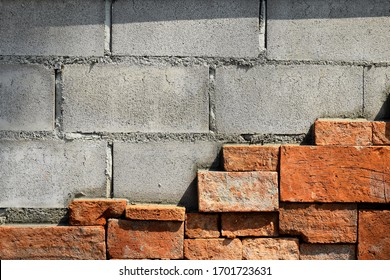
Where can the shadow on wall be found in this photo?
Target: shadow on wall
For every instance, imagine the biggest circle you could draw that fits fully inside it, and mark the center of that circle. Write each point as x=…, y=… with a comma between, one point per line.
x=384, y=111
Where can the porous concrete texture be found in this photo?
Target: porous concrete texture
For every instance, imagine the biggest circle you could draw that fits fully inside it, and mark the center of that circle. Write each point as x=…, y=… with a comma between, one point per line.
x=43, y=174
x=218, y=28
x=285, y=99
x=27, y=97
x=329, y=30
x=35, y=215
x=161, y=172
x=46, y=27
x=377, y=93
x=119, y=98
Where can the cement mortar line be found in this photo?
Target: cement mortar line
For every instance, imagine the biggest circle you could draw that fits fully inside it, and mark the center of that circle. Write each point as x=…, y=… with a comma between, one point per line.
x=57, y=62
x=157, y=137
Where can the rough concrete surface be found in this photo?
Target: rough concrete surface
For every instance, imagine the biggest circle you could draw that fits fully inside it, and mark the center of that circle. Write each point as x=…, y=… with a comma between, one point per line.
x=118, y=98
x=35, y=215
x=46, y=27
x=285, y=99
x=187, y=28
x=161, y=172
x=42, y=174
x=377, y=93
x=26, y=98
x=329, y=30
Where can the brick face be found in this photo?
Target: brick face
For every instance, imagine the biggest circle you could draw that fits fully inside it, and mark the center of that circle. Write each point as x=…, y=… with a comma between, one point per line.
x=249, y=224
x=145, y=239
x=319, y=223
x=213, y=249
x=52, y=243
x=90, y=212
x=381, y=133
x=199, y=225
x=335, y=174
x=327, y=251
x=251, y=158
x=374, y=235
x=237, y=191
x=270, y=249
x=155, y=212
x=343, y=132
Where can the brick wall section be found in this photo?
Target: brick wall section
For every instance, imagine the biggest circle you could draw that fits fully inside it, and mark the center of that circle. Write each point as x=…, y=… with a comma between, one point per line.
x=319, y=226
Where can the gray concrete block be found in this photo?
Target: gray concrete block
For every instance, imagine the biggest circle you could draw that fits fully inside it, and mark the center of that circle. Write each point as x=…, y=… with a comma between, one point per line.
x=47, y=27
x=220, y=28
x=377, y=93
x=329, y=30
x=43, y=174
x=26, y=98
x=118, y=98
x=162, y=172
x=285, y=99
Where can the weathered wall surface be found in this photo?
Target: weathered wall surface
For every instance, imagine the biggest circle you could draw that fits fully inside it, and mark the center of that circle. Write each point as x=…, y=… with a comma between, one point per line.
x=129, y=98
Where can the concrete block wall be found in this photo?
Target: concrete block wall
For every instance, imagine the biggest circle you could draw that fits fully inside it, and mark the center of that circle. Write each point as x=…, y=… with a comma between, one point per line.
x=128, y=99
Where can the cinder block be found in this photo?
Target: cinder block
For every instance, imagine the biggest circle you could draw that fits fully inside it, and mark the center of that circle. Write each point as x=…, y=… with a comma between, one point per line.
x=238, y=191
x=45, y=27
x=328, y=30
x=327, y=251
x=343, y=132
x=319, y=223
x=285, y=99
x=377, y=93
x=335, y=174
x=52, y=243
x=43, y=174
x=374, y=235
x=161, y=172
x=221, y=28
x=213, y=249
x=133, y=98
x=270, y=249
x=27, y=97
x=145, y=239
x=94, y=212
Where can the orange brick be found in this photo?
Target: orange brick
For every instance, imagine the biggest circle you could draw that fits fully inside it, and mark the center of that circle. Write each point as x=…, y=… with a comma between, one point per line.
x=327, y=252
x=251, y=158
x=238, y=191
x=335, y=174
x=270, y=249
x=374, y=235
x=381, y=133
x=326, y=223
x=249, y=224
x=155, y=212
x=200, y=225
x=89, y=212
x=52, y=243
x=145, y=239
x=212, y=249
x=342, y=132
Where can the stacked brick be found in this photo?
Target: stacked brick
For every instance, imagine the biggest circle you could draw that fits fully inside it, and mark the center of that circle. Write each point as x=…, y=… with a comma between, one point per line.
x=285, y=202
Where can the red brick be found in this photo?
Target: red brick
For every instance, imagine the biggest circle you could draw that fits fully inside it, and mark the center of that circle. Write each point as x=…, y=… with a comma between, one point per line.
x=145, y=239
x=200, y=225
x=327, y=252
x=381, y=133
x=249, y=224
x=342, y=132
x=237, y=191
x=326, y=223
x=212, y=249
x=251, y=158
x=155, y=212
x=374, y=235
x=52, y=243
x=335, y=174
x=89, y=212
x=270, y=249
